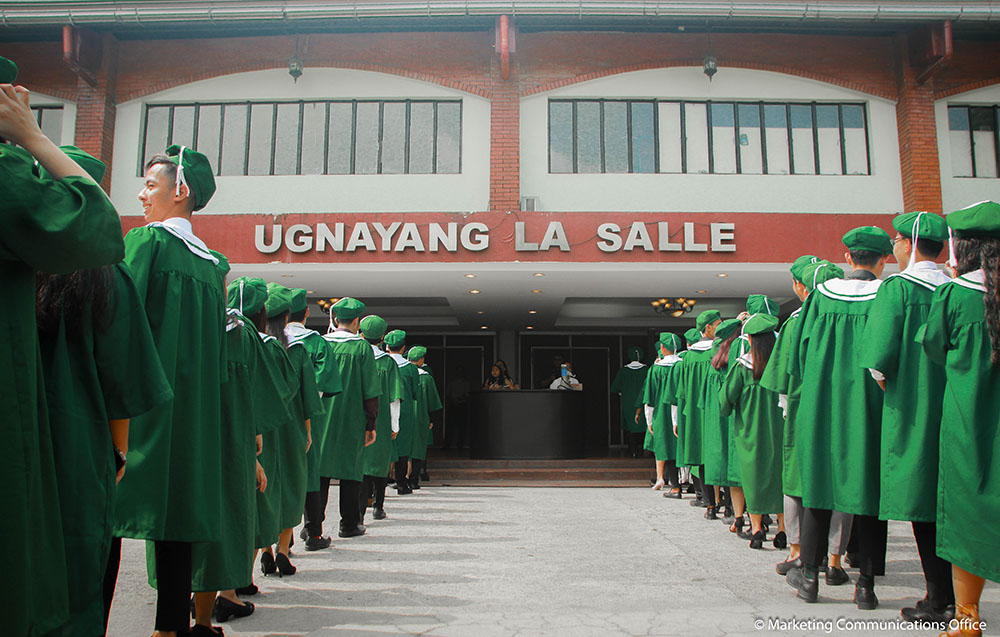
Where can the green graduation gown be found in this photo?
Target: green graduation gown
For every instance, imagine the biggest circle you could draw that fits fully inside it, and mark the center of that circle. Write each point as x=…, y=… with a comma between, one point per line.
x=410, y=388
x=657, y=393
x=327, y=382
x=433, y=398
x=293, y=436
x=629, y=382
x=840, y=410
x=777, y=379
x=171, y=490
x=53, y=226
x=718, y=444
x=968, y=484
x=378, y=455
x=251, y=404
x=914, y=387
x=89, y=379
x=341, y=431
x=692, y=379
x=758, y=435
x=269, y=503
x=647, y=441
x=422, y=423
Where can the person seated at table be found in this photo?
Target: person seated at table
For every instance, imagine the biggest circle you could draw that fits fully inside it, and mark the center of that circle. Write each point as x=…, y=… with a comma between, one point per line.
x=567, y=380
x=498, y=379
x=506, y=372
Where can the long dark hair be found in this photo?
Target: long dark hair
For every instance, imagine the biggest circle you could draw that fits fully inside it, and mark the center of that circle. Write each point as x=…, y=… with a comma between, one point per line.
x=75, y=296
x=721, y=358
x=276, y=328
x=761, y=346
x=966, y=255
x=989, y=254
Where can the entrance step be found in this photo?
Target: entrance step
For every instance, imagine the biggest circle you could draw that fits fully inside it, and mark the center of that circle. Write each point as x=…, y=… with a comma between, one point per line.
x=586, y=472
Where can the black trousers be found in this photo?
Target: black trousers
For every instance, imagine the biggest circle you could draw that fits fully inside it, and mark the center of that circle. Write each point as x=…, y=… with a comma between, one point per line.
x=416, y=466
x=871, y=539
x=315, y=512
x=374, y=488
x=111, y=577
x=399, y=473
x=937, y=571
x=350, y=496
x=670, y=473
x=173, y=585
x=634, y=441
x=707, y=490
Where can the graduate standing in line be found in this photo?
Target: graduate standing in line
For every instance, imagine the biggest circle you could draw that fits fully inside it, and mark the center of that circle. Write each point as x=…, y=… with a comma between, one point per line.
x=57, y=224
x=963, y=335
x=807, y=272
x=378, y=456
x=914, y=390
x=840, y=414
x=688, y=420
x=171, y=494
x=428, y=402
x=688, y=480
x=758, y=428
x=655, y=401
x=349, y=424
x=294, y=436
x=628, y=383
x=395, y=343
x=718, y=450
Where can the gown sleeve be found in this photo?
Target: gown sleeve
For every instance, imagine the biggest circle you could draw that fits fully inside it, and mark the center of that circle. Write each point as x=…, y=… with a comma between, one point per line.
x=800, y=338
x=732, y=388
x=270, y=405
x=936, y=335
x=312, y=406
x=880, y=344
x=140, y=252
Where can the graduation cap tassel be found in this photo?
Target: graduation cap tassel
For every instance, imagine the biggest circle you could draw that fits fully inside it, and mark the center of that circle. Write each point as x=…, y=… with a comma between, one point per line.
x=915, y=236
x=241, y=297
x=331, y=322
x=180, y=177
x=952, y=261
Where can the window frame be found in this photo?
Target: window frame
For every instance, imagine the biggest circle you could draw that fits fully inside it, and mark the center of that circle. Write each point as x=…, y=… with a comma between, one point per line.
x=969, y=107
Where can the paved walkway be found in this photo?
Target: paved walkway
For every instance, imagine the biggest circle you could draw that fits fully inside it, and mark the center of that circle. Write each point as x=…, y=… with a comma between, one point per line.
x=553, y=561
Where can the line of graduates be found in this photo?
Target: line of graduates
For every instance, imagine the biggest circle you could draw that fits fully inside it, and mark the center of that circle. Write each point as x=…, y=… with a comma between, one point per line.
x=876, y=400
x=145, y=398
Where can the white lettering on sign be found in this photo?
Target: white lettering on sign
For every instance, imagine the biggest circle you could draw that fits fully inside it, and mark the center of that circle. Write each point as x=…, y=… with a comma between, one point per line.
x=397, y=236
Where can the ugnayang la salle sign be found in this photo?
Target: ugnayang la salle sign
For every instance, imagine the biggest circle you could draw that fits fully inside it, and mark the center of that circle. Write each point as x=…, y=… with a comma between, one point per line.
x=651, y=236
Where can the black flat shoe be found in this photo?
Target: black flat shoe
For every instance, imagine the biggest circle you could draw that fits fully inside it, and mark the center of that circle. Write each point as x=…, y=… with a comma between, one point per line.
x=674, y=495
x=864, y=597
x=247, y=591
x=205, y=631
x=698, y=502
x=267, y=565
x=710, y=514
x=379, y=514
x=318, y=543
x=757, y=540
x=807, y=587
x=923, y=612
x=782, y=568
x=415, y=486
x=780, y=540
x=355, y=532
x=225, y=609
x=285, y=566
x=836, y=576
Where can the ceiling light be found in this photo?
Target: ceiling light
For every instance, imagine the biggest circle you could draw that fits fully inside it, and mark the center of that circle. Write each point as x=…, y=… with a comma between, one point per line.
x=287, y=276
x=532, y=311
x=480, y=312
x=483, y=327
x=529, y=328
x=702, y=291
x=536, y=291
x=722, y=275
x=473, y=291
x=470, y=276
x=310, y=292
x=538, y=274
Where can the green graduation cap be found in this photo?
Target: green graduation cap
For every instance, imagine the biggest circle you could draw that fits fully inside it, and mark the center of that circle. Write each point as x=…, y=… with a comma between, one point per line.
x=92, y=165
x=194, y=171
x=759, y=323
x=923, y=225
x=416, y=352
x=870, y=238
x=279, y=299
x=727, y=328
x=348, y=309
x=8, y=70
x=247, y=294
x=395, y=339
x=223, y=265
x=978, y=220
x=800, y=264
x=692, y=336
x=760, y=303
x=299, y=300
x=821, y=272
x=634, y=354
x=373, y=327
x=707, y=318
x=670, y=341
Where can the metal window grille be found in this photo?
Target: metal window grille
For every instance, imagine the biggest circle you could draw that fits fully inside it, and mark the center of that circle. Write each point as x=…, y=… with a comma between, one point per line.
x=321, y=137
x=714, y=137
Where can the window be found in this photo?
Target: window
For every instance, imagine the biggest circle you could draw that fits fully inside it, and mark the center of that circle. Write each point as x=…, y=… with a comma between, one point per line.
x=749, y=138
x=50, y=120
x=975, y=148
x=352, y=137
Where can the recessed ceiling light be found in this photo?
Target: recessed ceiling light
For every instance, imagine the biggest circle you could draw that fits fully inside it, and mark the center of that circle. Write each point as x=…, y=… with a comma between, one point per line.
x=532, y=311
x=702, y=291
x=287, y=276
x=529, y=328
x=473, y=291
x=536, y=291
x=483, y=327
x=470, y=276
x=310, y=292
x=480, y=312
x=721, y=275
x=538, y=274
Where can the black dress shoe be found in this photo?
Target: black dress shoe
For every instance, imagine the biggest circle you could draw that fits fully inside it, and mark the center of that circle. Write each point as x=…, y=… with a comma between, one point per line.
x=782, y=568
x=674, y=495
x=864, y=596
x=807, y=587
x=729, y=519
x=757, y=540
x=415, y=485
x=780, y=540
x=836, y=576
x=225, y=609
x=424, y=476
x=267, y=565
x=698, y=502
x=710, y=514
x=205, y=631
x=317, y=543
x=247, y=591
x=285, y=566
x=379, y=514
x=924, y=612
x=355, y=532
x=403, y=490
x=691, y=489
